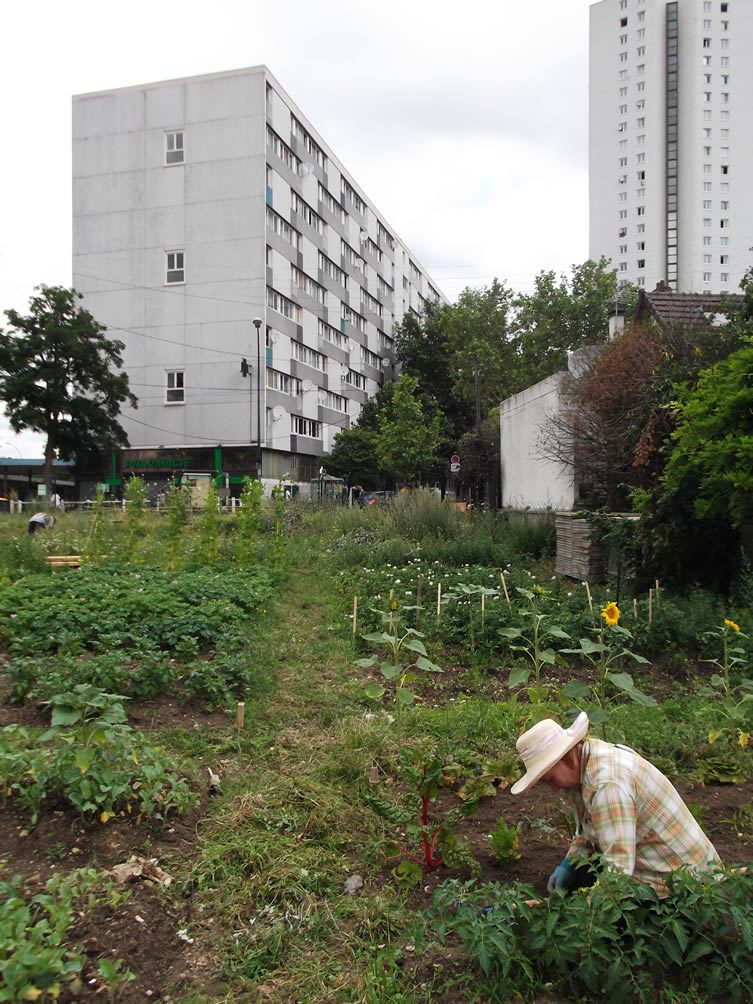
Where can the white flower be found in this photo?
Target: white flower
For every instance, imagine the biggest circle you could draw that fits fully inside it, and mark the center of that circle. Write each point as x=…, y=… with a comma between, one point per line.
x=569, y=594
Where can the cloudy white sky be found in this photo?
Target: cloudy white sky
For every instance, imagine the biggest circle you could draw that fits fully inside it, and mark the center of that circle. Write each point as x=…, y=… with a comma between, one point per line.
x=466, y=123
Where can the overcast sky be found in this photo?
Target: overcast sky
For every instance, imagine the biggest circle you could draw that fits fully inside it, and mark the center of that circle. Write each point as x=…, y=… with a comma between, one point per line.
x=465, y=123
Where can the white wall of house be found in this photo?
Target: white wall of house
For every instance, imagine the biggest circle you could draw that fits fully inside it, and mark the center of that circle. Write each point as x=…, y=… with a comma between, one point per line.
x=527, y=478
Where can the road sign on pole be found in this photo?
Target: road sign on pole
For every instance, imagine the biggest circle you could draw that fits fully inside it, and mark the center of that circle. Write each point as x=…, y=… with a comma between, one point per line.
x=454, y=468
x=455, y=458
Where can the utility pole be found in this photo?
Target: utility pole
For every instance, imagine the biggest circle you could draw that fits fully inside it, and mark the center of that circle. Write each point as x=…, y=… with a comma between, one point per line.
x=257, y=325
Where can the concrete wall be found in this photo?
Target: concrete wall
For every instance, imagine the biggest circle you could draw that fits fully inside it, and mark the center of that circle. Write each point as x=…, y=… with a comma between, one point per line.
x=527, y=479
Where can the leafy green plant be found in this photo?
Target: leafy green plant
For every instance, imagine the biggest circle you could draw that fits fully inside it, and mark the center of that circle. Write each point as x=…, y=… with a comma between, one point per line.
x=430, y=838
x=535, y=646
x=114, y=973
x=92, y=761
x=135, y=499
x=504, y=843
x=405, y=650
x=605, y=653
x=209, y=527
x=248, y=519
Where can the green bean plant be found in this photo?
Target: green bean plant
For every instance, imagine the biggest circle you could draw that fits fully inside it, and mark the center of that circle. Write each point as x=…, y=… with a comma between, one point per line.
x=605, y=653
x=534, y=644
x=135, y=516
x=248, y=520
x=405, y=652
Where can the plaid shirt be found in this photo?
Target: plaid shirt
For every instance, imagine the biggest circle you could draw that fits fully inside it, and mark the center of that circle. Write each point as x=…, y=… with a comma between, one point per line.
x=631, y=813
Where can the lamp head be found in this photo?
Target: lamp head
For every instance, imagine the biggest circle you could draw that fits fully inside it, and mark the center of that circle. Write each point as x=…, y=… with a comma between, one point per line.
x=257, y=323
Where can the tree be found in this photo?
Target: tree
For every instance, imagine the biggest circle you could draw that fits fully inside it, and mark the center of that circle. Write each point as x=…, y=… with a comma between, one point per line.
x=353, y=457
x=408, y=435
x=561, y=314
x=58, y=376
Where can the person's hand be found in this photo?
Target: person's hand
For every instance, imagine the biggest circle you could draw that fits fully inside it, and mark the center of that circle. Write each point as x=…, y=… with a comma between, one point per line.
x=560, y=877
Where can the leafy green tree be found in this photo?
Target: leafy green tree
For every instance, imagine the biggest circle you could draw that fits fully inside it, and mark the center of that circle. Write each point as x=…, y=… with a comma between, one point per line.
x=59, y=376
x=561, y=314
x=408, y=434
x=706, y=493
x=353, y=457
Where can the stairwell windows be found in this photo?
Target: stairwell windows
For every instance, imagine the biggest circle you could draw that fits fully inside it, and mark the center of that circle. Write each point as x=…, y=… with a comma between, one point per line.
x=174, y=148
x=175, y=272
x=175, y=390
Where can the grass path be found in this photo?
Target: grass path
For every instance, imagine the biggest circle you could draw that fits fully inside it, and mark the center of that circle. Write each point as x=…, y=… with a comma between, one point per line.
x=275, y=923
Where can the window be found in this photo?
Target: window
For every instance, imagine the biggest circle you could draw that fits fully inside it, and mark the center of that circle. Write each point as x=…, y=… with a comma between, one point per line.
x=622, y=249
x=623, y=196
x=304, y=210
x=707, y=96
x=334, y=401
x=641, y=246
x=707, y=43
x=724, y=259
x=312, y=149
x=357, y=380
x=623, y=266
x=328, y=200
x=725, y=79
x=622, y=214
x=707, y=60
x=641, y=50
x=724, y=204
x=640, y=86
x=306, y=427
x=725, y=168
x=706, y=114
x=707, y=276
x=175, y=267
x=707, y=24
x=641, y=281
x=724, y=224
x=641, y=69
x=623, y=110
x=723, y=242
x=369, y=358
x=348, y=192
x=641, y=228
x=386, y=344
x=369, y=304
x=724, y=277
x=623, y=57
x=640, y=158
x=283, y=151
x=332, y=335
x=175, y=388
x=623, y=92
x=707, y=221
x=622, y=162
x=385, y=289
x=707, y=259
x=332, y=271
x=373, y=249
x=707, y=203
x=283, y=382
x=305, y=284
x=174, y=150
x=351, y=317
x=623, y=39
x=724, y=42
x=707, y=186
x=724, y=133
x=352, y=257
x=640, y=104
x=707, y=151
x=641, y=263
x=641, y=123
x=641, y=211
x=283, y=229
x=276, y=301
x=725, y=97
x=306, y=355
x=707, y=242
x=706, y=6
x=724, y=61
x=707, y=168
x=641, y=33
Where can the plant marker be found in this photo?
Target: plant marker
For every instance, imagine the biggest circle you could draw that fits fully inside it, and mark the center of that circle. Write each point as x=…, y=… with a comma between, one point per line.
x=240, y=713
x=483, y=609
x=658, y=604
x=419, y=590
x=504, y=586
x=635, y=608
x=439, y=601
x=373, y=775
x=355, y=614
x=588, y=594
x=650, y=605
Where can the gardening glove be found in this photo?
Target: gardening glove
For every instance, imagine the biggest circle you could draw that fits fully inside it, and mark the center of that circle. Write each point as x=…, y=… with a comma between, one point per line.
x=560, y=877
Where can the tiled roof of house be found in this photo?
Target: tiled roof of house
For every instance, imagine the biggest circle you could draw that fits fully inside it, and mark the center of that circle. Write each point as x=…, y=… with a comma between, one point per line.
x=686, y=308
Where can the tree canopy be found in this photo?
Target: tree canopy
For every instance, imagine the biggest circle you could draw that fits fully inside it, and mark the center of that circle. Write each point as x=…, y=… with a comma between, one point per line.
x=58, y=376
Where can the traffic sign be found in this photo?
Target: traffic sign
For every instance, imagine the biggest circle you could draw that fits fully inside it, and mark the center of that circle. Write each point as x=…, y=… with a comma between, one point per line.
x=454, y=468
x=455, y=458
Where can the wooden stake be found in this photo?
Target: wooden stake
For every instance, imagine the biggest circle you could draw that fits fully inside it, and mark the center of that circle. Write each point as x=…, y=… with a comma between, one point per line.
x=504, y=586
x=483, y=609
x=419, y=591
x=355, y=614
x=658, y=603
x=439, y=601
x=588, y=594
x=373, y=775
x=240, y=713
x=635, y=608
x=650, y=606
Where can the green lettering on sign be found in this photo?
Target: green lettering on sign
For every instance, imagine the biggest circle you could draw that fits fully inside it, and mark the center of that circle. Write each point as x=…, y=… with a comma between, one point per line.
x=139, y=463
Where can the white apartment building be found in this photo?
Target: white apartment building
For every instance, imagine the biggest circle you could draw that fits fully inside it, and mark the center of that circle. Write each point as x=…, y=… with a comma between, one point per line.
x=200, y=205
x=670, y=145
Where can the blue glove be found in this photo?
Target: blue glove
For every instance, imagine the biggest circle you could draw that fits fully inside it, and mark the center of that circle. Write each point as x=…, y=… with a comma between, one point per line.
x=560, y=877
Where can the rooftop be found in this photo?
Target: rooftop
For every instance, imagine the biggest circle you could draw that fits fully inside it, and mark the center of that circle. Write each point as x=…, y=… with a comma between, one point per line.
x=664, y=304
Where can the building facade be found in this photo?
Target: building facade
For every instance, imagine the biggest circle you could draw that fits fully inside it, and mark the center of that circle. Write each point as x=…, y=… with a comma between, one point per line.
x=670, y=145
x=254, y=285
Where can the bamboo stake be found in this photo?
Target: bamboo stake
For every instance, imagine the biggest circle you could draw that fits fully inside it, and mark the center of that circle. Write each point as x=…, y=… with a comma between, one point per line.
x=658, y=603
x=650, y=606
x=240, y=713
x=588, y=594
x=419, y=591
x=483, y=609
x=439, y=601
x=635, y=608
x=355, y=614
x=504, y=586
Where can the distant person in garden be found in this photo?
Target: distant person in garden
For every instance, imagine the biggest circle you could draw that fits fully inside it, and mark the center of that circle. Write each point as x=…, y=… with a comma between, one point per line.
x=627, y=811
x=55, y=501
x=41, y=521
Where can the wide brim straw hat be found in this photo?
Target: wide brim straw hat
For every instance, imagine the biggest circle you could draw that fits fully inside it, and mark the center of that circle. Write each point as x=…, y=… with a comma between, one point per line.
x=544, y=745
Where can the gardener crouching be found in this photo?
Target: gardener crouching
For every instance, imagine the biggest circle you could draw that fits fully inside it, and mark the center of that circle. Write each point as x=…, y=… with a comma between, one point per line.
x=627, y=811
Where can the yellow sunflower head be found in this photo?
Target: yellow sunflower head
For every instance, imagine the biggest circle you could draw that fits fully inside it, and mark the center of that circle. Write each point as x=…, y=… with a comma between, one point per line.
x=394, y=604
x=611, y=614
x=731, y=625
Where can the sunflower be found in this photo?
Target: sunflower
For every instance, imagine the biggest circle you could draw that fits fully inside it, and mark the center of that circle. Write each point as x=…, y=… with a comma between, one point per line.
x=731, y=625
x=611, y=614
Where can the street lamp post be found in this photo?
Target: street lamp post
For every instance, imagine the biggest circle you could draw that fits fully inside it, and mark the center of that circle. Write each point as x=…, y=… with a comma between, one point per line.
x=257, y=325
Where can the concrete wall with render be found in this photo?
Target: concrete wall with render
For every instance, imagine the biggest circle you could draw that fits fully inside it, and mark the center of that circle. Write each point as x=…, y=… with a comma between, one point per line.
x=528, y=479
